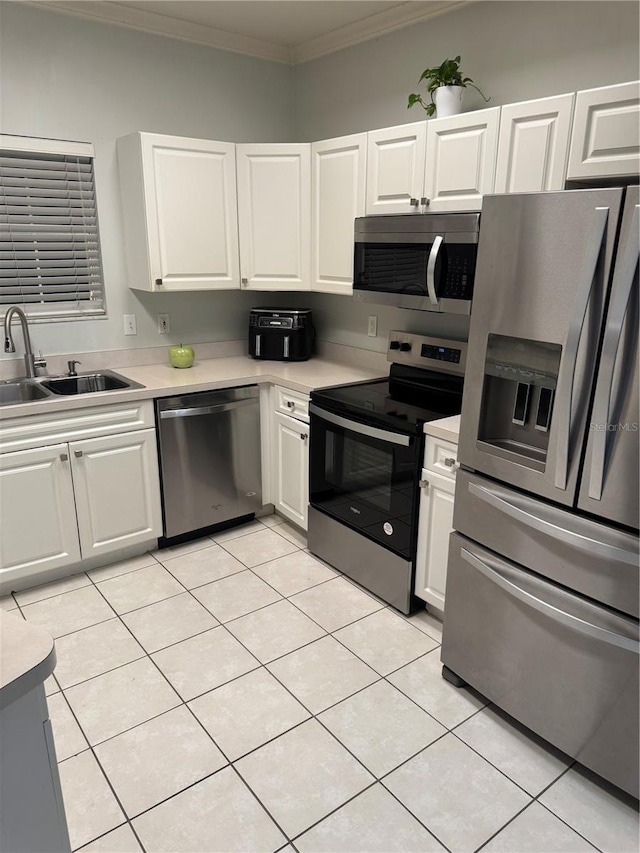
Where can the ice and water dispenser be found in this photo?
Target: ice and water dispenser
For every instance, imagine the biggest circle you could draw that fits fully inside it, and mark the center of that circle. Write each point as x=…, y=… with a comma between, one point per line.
x=520, y=379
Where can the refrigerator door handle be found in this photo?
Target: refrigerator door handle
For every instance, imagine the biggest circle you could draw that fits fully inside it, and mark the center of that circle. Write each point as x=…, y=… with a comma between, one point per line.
x=621, y=294
x=564, y=395
x=574, y=622
x=555, y=531
x=431, y=269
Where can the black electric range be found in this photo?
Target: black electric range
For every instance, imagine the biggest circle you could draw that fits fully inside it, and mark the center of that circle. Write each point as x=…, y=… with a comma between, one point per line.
x=366, y=453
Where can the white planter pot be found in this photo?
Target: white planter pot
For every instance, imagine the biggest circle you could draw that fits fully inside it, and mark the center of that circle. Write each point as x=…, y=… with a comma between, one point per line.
x=448, y=100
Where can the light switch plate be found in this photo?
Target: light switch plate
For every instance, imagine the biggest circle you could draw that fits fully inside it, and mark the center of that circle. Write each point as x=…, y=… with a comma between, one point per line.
x=130, y=326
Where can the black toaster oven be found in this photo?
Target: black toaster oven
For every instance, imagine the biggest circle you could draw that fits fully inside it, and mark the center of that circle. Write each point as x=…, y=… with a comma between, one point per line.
x=281, y=334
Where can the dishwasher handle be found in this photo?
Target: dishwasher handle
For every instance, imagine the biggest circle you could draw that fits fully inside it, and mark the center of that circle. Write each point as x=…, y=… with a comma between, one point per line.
x=190, y=412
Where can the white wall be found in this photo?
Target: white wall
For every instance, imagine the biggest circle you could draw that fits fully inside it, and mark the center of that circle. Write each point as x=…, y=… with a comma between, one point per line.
x=67, y=78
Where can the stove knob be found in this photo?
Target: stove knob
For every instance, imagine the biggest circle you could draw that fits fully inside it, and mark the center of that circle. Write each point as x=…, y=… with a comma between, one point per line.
x=394, y=344
x=405, y=347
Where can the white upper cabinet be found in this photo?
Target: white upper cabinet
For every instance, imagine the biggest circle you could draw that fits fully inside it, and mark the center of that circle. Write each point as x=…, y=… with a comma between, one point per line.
x=180, y=212
x=338, y=182
x=274, y=205
x=395, y=168
x=461, y=160
x=605, y=140
x=533, y=145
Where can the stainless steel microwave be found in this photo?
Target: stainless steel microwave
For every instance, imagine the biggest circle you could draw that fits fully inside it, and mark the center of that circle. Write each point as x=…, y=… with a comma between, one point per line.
x=424, y=260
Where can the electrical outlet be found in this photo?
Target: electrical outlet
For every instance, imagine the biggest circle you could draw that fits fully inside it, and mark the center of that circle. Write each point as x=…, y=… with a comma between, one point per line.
x=372, y=326
x=164, y=326
x=130, y=327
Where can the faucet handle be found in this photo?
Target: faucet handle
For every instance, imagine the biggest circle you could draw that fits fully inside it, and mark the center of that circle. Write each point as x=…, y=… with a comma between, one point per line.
x=71, y=365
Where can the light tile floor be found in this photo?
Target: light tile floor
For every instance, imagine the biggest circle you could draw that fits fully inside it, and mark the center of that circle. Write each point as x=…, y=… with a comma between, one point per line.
x=237, y=694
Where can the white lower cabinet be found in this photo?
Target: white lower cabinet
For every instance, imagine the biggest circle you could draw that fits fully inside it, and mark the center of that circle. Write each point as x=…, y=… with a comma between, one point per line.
x=290, y=480
x=38, y=528
x=435, y=522
x=74, y=500
x=117, y=490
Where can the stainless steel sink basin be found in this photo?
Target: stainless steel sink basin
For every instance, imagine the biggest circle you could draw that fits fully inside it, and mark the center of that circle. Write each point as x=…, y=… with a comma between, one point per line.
x=21, y=391
x=15, y=391
x=88, y=383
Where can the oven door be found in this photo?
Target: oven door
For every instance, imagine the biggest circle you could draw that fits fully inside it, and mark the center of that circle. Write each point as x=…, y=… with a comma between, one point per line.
x=365, y=477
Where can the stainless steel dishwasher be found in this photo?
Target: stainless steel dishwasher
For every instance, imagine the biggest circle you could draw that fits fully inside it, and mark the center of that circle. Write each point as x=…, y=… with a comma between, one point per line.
x=209, y=445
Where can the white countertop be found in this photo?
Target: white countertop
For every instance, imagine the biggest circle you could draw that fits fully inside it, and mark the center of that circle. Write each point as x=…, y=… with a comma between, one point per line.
x=27, y=657
x=162, y=380
x=445, y=428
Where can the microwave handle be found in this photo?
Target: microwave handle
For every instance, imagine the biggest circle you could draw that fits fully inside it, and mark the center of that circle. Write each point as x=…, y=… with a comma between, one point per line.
x=431, y=269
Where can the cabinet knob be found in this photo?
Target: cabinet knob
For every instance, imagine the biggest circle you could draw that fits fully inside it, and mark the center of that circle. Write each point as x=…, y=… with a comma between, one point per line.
x=244, y=281
x=64, y=457
x=414, y=202
x=424, y=484
x=450, y=462
x=77, y=453
x=158, y=282
x=290, y=404
x=304, y=436
x=425, y=201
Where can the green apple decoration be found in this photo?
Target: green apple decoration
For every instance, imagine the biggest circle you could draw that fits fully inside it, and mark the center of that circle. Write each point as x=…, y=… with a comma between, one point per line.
x=181, y=356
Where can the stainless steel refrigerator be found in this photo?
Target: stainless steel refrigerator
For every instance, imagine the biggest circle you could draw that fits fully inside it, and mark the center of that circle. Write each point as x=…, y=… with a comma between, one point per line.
x=541, y=612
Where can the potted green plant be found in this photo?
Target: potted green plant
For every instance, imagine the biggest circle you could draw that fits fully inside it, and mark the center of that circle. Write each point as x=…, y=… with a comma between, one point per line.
x=445, y=85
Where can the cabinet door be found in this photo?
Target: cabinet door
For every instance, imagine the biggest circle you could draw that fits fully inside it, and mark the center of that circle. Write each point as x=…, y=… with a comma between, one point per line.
x=291, y=469
x=605, y=141
x=191, y=212
x=117, y=491
x=37, y=513
x=395, y=168
x=461, y=160
x=434, y=526
x=337, y=196
x=533, y=145
x=274, y=214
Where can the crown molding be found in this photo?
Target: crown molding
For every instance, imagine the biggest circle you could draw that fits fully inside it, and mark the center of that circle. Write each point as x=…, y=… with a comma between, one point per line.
x=164, y=25
x=374, y=26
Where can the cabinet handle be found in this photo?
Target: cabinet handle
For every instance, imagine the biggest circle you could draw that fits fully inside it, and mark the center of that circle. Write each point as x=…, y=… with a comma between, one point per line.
x=425, y=202
x=64, y=457
x=290, y=404
x=244, y=281
x=158, y=282
x=450, y=462
x=414, y=202
x=304, y=436
x=424, y=484
x=77, y=453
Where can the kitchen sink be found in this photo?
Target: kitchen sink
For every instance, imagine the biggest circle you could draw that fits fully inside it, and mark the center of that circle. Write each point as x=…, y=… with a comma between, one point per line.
x=88, y=383
x=24, y=391
x=15, y=391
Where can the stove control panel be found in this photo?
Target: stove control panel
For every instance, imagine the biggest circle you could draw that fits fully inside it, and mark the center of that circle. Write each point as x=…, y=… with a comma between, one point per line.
x=422, y=351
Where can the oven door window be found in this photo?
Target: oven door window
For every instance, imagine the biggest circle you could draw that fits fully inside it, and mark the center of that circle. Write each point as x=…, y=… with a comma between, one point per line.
x=368, y=483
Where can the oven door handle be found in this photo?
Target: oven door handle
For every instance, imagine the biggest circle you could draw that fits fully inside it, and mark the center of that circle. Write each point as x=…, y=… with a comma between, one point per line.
x=362, y=429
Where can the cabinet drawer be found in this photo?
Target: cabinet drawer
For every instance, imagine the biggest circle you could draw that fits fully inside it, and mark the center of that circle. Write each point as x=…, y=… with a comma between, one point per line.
x=292, y=403
x=440, y=456
x=38, y=430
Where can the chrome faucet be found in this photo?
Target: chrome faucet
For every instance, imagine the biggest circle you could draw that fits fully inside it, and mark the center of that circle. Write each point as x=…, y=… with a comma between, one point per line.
x=31, y=362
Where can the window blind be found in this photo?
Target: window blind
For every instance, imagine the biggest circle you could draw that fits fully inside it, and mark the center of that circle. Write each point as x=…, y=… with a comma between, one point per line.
x=50, y=261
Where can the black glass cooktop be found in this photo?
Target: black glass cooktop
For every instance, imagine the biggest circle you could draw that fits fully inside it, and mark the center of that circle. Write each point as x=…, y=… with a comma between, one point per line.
x=404, y=401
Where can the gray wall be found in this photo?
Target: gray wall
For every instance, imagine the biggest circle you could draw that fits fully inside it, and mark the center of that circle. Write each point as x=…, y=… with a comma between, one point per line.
x=67, y=78
x=514, y=51
x=64, y=77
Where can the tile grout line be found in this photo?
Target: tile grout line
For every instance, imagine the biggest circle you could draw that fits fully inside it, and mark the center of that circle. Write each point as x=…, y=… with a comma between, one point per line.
x=264, y=666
